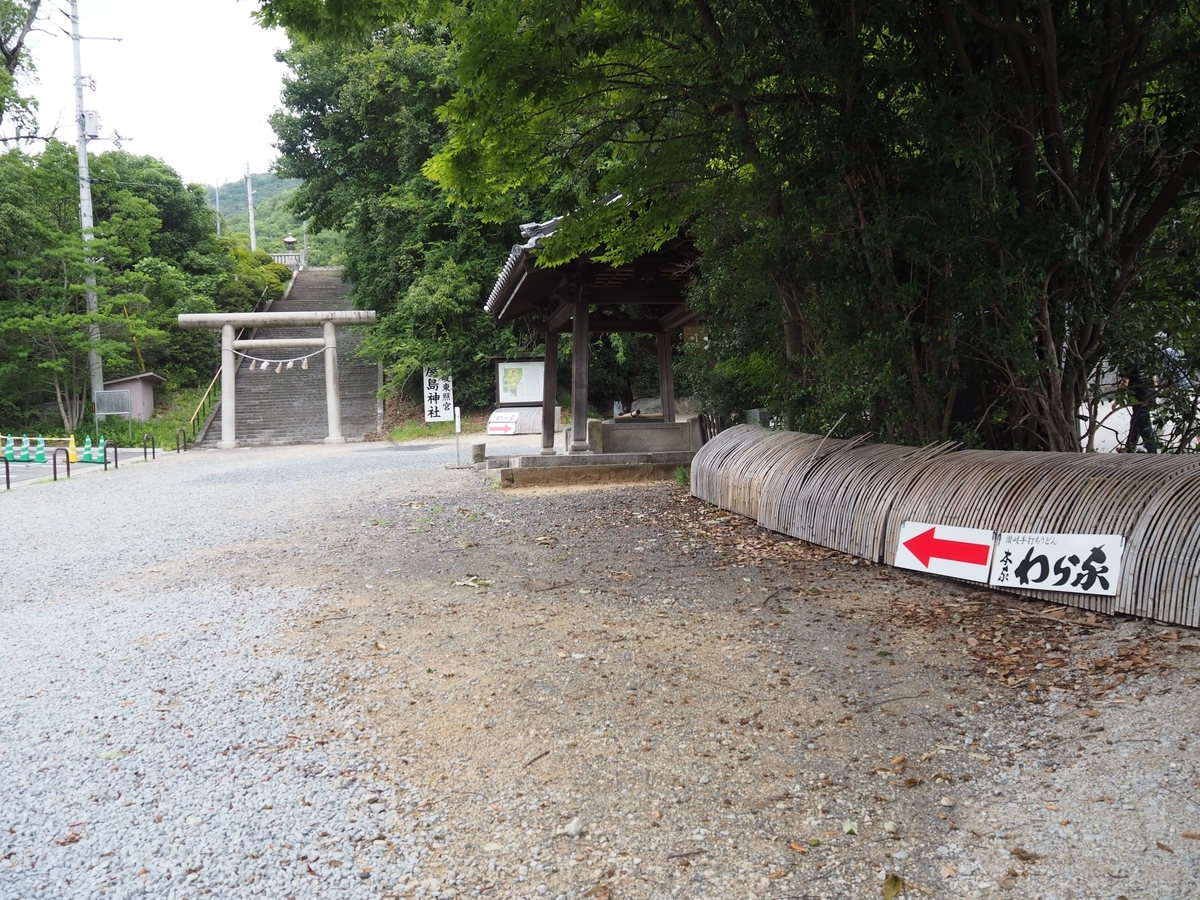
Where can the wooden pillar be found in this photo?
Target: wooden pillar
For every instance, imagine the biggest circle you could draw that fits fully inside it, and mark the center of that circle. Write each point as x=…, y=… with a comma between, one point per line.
x=579, y=378
x=550, y=394
x=666, y=377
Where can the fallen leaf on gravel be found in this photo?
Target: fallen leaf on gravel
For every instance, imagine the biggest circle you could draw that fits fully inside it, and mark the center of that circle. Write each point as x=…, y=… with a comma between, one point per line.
x=800, y=848
x=1191, y=836
x=1007, y=882
x=474, y=581
x=1091, y=713
x=112, y=754
x=599, y=892
x=69, y=839
x=1024, y=855
x=948, y=872
x=1162, y=846
x=849, y=827
x=892, y=885
x=380, y=645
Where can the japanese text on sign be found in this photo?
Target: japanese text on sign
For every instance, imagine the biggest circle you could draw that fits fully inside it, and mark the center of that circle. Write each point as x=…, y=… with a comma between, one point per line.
x=1076, y=563
x=439, y=397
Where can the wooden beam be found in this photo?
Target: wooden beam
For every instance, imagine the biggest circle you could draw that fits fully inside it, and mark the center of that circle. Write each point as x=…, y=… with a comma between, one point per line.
x=561, y=316
x=666, y=377
x=579, y=379
x=639, y=296
x=677, y=318
x=549, y=393
x=622, y=324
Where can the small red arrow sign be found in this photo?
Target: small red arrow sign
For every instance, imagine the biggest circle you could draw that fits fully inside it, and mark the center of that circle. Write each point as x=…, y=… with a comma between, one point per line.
x=925, y=546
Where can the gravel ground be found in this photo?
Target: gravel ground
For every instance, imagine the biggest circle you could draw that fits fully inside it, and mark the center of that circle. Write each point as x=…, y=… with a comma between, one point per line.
x=357, y=672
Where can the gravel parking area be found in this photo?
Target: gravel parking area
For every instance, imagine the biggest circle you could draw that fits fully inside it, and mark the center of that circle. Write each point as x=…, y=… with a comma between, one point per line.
x=359, y=672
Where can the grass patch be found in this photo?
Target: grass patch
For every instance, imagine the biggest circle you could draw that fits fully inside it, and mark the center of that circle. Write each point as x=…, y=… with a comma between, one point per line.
x=416, y=430
x=412, y=431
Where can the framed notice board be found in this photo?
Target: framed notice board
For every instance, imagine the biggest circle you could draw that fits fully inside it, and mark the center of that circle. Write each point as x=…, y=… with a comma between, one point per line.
x=519, y=382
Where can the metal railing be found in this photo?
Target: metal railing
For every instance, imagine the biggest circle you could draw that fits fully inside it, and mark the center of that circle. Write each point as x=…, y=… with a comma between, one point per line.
x=7, y=477
x=180, y=434
x=205, y=405
x=153, y=446
x=54, y=461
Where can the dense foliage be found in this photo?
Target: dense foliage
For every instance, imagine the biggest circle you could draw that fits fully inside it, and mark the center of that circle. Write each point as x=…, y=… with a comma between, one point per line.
x=155, y=255
x=360, y=122
x=18, y=19
x=926, y=220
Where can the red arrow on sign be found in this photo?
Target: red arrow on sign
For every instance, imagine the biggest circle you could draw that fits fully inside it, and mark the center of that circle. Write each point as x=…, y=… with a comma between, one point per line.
x=925, y=546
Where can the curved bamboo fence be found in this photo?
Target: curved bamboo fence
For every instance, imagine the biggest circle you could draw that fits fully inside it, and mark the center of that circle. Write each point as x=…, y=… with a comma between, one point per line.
x=854, y=497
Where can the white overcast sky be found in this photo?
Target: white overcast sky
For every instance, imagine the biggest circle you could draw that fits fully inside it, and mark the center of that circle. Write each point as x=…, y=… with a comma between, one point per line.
x=192, y=82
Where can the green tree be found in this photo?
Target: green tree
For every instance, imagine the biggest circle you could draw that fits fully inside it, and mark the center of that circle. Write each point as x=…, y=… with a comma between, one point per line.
x=933, y=220
x=17, y=20
x=360, y=122
x=154, y=256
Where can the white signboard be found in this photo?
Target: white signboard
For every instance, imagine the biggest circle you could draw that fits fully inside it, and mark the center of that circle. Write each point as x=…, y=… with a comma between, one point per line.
x=439, y=397
x=1077, y=563
x=520, y=382
x=503, y=422
x=964, y=553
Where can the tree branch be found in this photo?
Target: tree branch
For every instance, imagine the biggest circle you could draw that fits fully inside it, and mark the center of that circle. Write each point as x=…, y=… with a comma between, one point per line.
x=1167, y=197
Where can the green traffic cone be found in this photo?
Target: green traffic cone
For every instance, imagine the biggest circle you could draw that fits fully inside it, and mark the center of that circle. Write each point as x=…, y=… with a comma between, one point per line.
x=40, y=455
x=87, y=449
x=24, y=448
x=101, y=452
x=8, y=450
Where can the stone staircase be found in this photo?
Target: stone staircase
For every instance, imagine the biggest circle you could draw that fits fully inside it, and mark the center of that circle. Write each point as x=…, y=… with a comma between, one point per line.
x=289, y=407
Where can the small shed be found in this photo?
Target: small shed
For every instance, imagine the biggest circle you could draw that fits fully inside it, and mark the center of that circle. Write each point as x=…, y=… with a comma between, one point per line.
x=141, y=393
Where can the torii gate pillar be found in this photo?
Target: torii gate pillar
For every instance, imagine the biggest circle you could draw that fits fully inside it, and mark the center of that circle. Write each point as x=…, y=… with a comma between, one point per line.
x=228, y=389
x=333, y=402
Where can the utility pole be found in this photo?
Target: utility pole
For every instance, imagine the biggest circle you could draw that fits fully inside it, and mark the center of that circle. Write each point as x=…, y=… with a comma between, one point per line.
x=95, y=366
x=250, y=207
x=217, y=191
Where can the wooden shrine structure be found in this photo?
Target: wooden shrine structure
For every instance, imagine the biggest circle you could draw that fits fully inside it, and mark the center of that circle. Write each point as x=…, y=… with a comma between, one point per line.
x=585, y=297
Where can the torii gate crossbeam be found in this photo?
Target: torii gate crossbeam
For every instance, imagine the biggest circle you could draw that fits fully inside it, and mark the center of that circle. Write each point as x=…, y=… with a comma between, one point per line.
x=229, y=322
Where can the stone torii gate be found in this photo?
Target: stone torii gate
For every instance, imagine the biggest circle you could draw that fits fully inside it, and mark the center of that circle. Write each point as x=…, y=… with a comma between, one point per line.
x=229, y=322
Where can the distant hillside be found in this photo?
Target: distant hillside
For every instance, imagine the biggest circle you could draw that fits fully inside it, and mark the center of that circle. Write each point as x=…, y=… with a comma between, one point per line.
x=273, y=221
x=233, y=193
